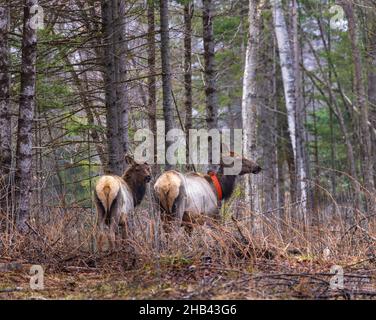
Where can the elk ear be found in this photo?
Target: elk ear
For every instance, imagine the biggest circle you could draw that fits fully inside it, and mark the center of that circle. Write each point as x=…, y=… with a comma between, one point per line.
x=129, y=159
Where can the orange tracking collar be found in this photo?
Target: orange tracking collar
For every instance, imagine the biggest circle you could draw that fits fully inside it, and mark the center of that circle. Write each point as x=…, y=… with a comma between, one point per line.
x=216, y=183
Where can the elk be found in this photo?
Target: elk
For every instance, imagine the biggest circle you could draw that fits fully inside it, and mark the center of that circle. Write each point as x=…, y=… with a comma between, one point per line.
x=116, y=197
x=189, y=198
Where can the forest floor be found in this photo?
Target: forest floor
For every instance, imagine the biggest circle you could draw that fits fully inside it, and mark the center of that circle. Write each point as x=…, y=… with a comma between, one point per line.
x=218, y=261
x=297, y=277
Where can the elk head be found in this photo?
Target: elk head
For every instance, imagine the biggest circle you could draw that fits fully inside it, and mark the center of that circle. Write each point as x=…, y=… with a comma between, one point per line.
x=140, y=171
x=247, y=165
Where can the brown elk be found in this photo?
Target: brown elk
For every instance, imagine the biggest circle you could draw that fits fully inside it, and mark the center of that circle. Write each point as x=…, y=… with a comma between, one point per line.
x=188, y=198
x=116, y=197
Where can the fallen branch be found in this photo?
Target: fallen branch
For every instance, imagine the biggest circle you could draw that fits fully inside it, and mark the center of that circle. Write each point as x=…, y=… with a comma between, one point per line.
x=12, y=266
x=7, y=290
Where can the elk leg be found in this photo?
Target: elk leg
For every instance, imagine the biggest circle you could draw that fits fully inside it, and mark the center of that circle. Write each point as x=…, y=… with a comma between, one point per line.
x=99, y=232
x=123, y=226
x=112, y=235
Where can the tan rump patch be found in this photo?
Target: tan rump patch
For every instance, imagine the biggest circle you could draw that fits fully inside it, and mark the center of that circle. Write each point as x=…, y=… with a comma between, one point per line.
x=107, y=189
x=167, y=188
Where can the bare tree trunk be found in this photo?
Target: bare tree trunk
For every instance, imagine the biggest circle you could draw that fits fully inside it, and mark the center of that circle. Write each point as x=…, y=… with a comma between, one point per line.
x=152, y=81
x=250, y=109
x=371, y=51
x=109, y=83
x=285, y=54
x=5, y=114
x=332, y=139
x=289, y=84
x=301, y=154
x=278, y=192
x=112, y=116
x=209, y=72
x=362, y=104
x=24, y=176
x=317, y=191
x=268, y=122
x=188, y=12
x=166, y=72
x=120, y=57
x=371, y=72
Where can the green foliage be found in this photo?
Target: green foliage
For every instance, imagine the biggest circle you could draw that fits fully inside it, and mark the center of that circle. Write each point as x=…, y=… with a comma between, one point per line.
x=226, y=29
x=52, y=94
x=78, y=126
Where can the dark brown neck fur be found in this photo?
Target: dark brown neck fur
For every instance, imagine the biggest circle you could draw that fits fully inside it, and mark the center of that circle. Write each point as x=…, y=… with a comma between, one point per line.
x=227, y=184
x=137, y=184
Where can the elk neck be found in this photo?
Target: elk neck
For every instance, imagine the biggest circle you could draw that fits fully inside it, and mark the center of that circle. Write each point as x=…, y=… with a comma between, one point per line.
x=137, y=185
x=227, y=183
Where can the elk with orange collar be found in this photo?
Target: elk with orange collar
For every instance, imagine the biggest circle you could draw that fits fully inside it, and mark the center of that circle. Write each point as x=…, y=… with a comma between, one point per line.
x=189, y=197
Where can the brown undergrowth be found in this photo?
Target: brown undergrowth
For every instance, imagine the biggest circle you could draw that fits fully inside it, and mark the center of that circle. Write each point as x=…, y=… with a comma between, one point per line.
x=229, y=260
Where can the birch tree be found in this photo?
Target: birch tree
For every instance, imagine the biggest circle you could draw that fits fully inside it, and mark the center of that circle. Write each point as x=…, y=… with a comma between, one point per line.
x=301, y=154
x=289, y=85
x=250, y=106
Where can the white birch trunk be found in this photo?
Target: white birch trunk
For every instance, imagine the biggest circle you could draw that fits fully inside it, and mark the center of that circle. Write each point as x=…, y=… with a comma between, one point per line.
x=289, y=85
x=250, y=112
x=299, y=118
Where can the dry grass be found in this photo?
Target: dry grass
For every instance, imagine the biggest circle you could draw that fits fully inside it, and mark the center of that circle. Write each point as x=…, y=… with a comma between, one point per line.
x=224, y=261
